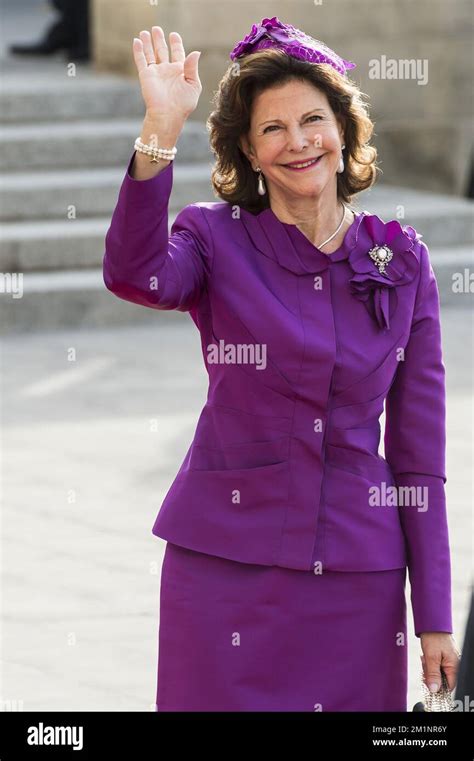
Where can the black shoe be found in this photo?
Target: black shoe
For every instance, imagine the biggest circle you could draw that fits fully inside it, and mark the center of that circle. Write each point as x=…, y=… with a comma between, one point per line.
x=40, y=48
x=56, y=37
x=78, y=54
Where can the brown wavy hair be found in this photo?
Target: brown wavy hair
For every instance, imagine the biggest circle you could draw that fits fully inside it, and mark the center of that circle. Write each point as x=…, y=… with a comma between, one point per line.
x=232, y=176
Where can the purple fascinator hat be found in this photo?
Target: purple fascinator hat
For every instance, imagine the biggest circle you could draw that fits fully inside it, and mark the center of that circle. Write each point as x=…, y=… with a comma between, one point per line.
x=271, y=33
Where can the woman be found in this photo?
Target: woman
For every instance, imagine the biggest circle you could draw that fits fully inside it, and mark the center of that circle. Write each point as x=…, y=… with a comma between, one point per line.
x=288, y=535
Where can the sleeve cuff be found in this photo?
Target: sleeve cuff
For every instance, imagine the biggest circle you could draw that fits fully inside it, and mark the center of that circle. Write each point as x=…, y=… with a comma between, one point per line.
x=141, y=192
x=424, y=522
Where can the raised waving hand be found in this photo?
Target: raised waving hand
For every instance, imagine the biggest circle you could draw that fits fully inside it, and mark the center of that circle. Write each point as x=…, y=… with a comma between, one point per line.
x=170, y=88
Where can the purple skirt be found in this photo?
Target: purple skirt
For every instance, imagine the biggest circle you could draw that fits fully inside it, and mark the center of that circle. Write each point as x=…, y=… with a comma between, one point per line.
x=244, y=637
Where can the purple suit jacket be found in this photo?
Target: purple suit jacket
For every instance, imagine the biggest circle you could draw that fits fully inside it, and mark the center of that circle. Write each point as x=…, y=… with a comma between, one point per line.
x=302, y=350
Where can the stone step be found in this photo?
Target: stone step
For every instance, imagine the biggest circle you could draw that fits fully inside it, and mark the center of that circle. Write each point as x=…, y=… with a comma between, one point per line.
x=55, y=244
x=79, y=144
x=46, y=195
x=74, y=299
x=79, y=298
x=26, y=96
x=441, y=219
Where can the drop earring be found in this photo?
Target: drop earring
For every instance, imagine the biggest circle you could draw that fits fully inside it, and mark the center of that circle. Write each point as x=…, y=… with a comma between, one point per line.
x=340, y=168
x=261, y=189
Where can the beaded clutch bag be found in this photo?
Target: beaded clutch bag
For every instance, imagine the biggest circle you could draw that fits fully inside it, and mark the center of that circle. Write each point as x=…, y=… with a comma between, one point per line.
x=437, y=701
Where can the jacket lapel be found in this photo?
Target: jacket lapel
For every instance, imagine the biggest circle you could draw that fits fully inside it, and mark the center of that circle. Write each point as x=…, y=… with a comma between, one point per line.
x=289, y=246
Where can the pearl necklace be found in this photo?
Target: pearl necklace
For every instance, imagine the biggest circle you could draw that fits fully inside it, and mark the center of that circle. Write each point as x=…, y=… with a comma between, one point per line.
x=339, y=227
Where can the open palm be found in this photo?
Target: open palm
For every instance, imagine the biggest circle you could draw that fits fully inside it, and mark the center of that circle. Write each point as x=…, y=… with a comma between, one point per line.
x=169, y=88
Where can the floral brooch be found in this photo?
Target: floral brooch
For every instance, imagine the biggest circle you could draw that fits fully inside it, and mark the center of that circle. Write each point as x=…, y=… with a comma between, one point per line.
x=382, y=258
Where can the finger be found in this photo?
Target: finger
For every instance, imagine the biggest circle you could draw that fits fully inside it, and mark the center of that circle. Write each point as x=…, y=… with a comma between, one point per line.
x=190, y=67
x=138, y=54
x=450, y=669
x=433, y=674
x=176, y=47
x=424, y=671
x=145, y=37
x=161, y=48
x=423, y=663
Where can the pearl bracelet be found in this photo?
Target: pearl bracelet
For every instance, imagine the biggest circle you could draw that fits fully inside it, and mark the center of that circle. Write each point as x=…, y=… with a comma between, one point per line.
x=156, y=153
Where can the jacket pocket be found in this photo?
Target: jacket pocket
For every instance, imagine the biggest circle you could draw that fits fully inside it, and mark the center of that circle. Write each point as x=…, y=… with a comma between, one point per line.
x=362, y=528
x=236, y=514
x=357, y=461
x=246, y=455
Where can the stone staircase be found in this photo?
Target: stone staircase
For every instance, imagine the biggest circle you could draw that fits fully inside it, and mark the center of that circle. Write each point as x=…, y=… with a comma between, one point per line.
x=65, y=144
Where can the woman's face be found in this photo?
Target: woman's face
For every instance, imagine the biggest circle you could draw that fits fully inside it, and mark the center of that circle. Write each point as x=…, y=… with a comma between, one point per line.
x=289, y=123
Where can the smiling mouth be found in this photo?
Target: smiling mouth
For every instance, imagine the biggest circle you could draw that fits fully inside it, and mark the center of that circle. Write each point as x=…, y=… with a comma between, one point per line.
x=303, y=165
